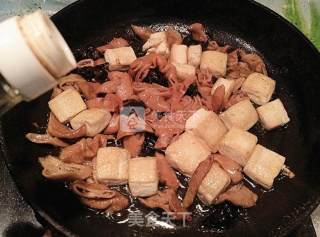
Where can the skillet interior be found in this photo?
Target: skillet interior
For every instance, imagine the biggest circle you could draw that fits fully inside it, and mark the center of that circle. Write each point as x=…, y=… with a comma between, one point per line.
x=291, y=60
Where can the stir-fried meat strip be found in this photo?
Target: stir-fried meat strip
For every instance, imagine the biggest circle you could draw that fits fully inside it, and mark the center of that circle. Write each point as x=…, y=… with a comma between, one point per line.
x=134, y=143
x=110, y=205
x=92, y=190
x=110, y=102
x=168, y=201
x=140, y=68
x=237, y=85
x=198, y=32
x=89, y=89
x=213, y=45
x=239, y=195
x=178, y=91
x=204, y=78
x=235, y=98
x=55, y=169
x=154, y=99
x=173, y=36
x=118, y=203
x=239, y=70
x=124, y=89
x=167, y=127
x=187, y=105
x=196, y=180
x=45, y=139
x=254, y=61
x=166, y=173
x=56, y=91
x=56, y=129
x=70, y=81
x=218, y=99
x=153, y=96
x=85, y=149
x=88, y=62
x=142, y=32
x=76, y=82
x=99, y=61
x=232, y=167
x=114, y=124
x=108, y=87
x=114, y=43
x=233, y=58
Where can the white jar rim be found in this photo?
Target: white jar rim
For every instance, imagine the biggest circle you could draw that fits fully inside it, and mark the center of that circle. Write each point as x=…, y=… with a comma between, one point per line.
x=18, y=64
x=47, y=43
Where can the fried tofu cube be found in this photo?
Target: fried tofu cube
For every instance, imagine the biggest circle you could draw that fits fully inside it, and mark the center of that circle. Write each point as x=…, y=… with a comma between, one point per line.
x=273, y=114
x=187, y=152
x=111, y=165
x=178, y=54
x=163, y=48
x=185, y=71
x=214, y=183
x=259, y=88
x=241, y=115
x=119, y=58
x=94, y=119
x=263, y=166
x=67, y=105
x=194, y=55
x=228, y=86
x=208, y=126
x=215, y=62
x=143, y=176
x=154, y=40
x=238, y=145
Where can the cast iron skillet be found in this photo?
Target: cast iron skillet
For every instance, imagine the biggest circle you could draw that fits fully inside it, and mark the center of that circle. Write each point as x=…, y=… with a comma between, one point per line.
x=291, y=60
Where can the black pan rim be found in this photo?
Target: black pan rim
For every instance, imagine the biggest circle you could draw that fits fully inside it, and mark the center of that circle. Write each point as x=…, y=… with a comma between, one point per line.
x=304, y=212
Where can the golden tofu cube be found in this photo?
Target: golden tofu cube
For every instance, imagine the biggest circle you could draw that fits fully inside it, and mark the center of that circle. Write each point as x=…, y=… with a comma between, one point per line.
x=94, y=119
x=194, y=55
x=163, y=48
x=185, y=71
x=154, y=40
x=273, y=114
x=111, y=165
x=178, y=54
x=259, y=88
x=187, y=152
x=66, y=105
x=238, y=145
x=263, y=166
x=215, y=62
x=208, y=126
x=214, y=183
x=241, y=115
x=143, y=176
x=228, y=86
x=119, y=58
